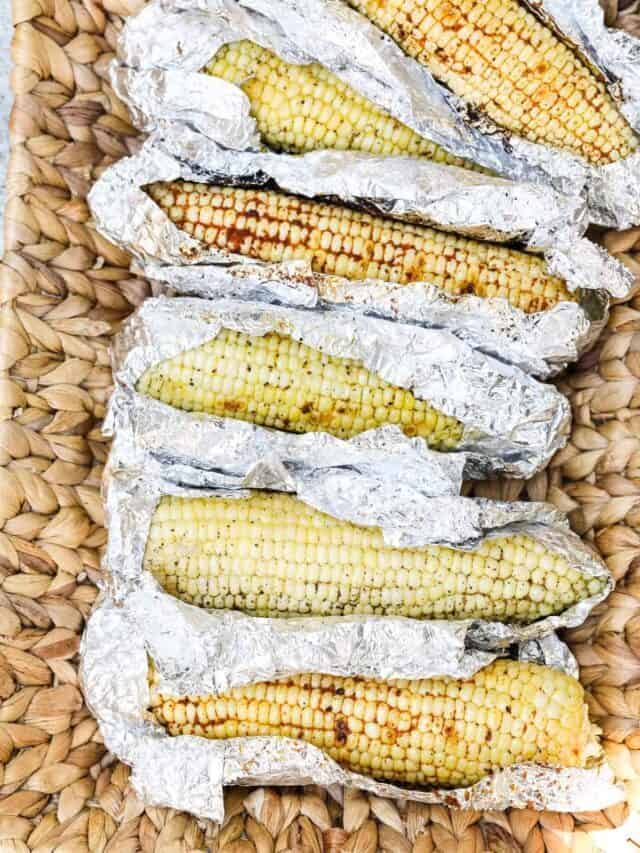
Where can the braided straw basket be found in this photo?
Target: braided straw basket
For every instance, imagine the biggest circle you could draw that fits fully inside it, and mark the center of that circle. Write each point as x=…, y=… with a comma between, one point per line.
x=65, y=291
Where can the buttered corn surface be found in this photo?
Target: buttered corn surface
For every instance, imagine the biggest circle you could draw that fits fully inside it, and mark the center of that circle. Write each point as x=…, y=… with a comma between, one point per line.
x=274, y=226
x=271, y=554
x=301, y=108
x=434, y=731
x=276, y=381
x=502, y=60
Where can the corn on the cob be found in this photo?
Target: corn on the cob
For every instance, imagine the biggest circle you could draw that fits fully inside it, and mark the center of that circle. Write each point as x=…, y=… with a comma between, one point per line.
x=275, y=381
x=434, y=731
x=275, y=226
x=273, y=555
x=300, y=108
x=502, y=60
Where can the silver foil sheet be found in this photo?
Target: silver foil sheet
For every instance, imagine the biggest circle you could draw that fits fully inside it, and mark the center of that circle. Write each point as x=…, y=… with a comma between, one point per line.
x=512, y=424
x=196, y=652
x=163, y=49
x=404, y=188
x=541, y=344
x=375, y=480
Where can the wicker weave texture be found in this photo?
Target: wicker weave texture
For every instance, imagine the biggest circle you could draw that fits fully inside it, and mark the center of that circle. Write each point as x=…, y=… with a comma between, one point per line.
x=64, y=292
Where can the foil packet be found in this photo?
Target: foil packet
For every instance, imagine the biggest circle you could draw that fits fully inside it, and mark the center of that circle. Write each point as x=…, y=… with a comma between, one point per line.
x=162, y=50
x=196, y=652
x=375, y=480
x=511, y=423
x=413, y=190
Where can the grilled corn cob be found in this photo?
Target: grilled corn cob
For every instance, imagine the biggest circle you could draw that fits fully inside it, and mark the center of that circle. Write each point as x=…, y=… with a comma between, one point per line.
x=300, y=108
x=502, y=60
x=273, y=555
x=275, y=381
x=435, y=731
x=274, y=226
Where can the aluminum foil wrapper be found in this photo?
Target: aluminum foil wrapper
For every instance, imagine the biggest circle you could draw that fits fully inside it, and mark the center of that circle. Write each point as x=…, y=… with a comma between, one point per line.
x=209, y=452
x=197, y=652
x=379, y=479
x=405, y=188
x=512, y=424
x=163, y=49
x=541, y=344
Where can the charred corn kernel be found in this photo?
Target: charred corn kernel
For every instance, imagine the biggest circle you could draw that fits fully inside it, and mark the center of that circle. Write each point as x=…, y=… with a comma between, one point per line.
x=501, y=59
x=274, y=226
x=237, y=553
x=436, y=731
x=300, y=108
x=275, y=381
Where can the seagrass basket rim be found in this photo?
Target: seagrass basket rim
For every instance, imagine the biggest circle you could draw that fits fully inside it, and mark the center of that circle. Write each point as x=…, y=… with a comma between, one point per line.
x=65, y=290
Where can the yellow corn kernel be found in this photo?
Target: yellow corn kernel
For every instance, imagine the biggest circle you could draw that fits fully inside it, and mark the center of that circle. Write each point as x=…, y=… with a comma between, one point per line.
x=274, y=226
x=441, y=740
x=275, y=381
x=300, y=108
x=502, y=60
x=271, y=554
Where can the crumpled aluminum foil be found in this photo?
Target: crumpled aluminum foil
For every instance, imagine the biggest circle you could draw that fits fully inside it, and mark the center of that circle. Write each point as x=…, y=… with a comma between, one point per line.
x=163, y=49
x=379, y=479
x=208, y=452
x=406, y=188
x=541, y=344
x=196, y=652
x=512, y=423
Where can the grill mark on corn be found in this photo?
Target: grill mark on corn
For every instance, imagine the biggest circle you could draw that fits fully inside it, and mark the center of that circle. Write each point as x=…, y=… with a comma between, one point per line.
x=271, y=554
x=300, y=108
x=502, y=60
x=274, y=226
x=432, y=731
x=275, y=381
x=342, y=731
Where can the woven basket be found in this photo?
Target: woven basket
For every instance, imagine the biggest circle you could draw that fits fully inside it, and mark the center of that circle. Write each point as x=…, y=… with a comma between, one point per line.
x=64, y=291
